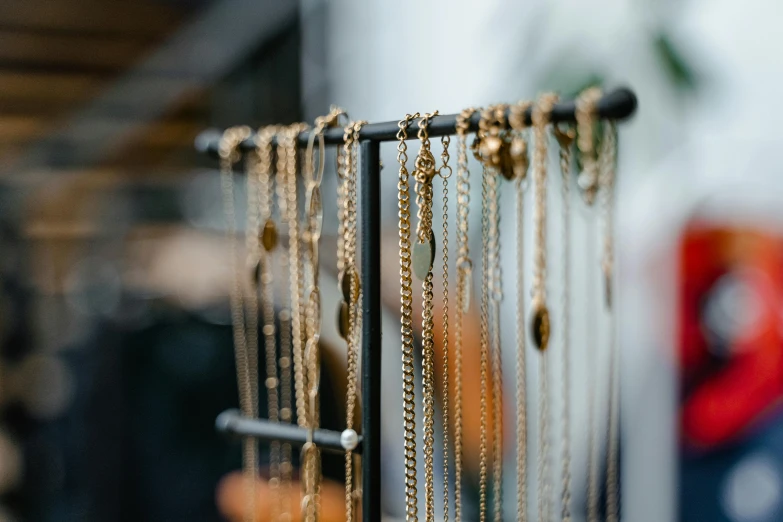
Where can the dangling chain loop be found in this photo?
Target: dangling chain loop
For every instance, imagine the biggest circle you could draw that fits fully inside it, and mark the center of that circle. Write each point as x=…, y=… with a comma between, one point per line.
x=445, y=173
x=311, y=456
x=228, y=150
x=607, y=181
x=517, y=122
x=540, y=325
x=425, y=254
x=565, y=138
x=269, y=241
x=353, y=300
x=291, y=313
x=406, y=323
x=464, y=281
x=480, y=151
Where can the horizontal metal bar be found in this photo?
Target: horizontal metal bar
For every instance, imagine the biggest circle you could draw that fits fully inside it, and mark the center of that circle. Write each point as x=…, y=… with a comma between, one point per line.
x=619, y=104
x=231, y=422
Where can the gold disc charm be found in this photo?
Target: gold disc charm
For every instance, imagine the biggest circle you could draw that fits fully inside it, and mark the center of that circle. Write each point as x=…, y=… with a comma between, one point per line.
x=350, y=291
x=540, y=326
x=343, y=325
x=269, y=236
x=423, y=257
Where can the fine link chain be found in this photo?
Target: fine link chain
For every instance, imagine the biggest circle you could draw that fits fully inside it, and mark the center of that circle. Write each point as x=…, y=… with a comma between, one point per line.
x=425, y=170
x=565, y=138
x=607, y=182
x=464, y=271
x=289, y=316
x=355, y=286
x=445, y=172
x=354, y=301
x=484, y=333
x=588, y=180
x=351, y=356
x=496, y=296
x=311, y=458
x=406, y=323
x=252, y=247
x=296, y=271
x=229, y=155
x=586, y=107
x=264, y=184
x=516, y=121
x=540, y=117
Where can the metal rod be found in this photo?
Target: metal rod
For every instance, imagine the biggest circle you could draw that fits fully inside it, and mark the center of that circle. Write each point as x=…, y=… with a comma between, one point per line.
x=619, y=104
x=231, y=422
x=370, y=215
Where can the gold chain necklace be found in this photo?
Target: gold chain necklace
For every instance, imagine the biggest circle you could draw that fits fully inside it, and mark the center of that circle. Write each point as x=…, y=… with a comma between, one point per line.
x=296, y=271
x=519, y=153
x=445, y=172
x=607, y=181
x=496, y=296
x=493, y=150
x=352, y=298
x=565, y=138
x=479, y=148
x=269, y=241
x=252, y=247
x=311, y=458
x=423, y=258
x=462, y=300
x=289, y=316
x=406, y=323
x=540, y=325
x=588, y=183
x=229, y=155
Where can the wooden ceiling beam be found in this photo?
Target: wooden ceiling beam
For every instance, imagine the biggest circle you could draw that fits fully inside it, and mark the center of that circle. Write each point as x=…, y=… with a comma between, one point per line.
x=106, y=16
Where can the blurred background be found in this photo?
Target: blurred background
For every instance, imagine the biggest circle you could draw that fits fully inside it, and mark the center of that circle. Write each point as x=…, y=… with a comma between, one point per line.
x=115, y=337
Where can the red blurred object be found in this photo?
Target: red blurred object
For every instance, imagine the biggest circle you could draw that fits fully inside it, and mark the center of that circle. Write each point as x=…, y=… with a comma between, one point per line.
x=725, y=396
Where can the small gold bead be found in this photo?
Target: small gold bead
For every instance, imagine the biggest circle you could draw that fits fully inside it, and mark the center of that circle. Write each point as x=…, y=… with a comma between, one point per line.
x=269, y=236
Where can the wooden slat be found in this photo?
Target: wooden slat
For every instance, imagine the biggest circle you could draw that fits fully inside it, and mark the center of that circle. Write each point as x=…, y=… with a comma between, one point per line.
x=21, y=129
x=42, y=86
x=29, y=48
x=98, y=16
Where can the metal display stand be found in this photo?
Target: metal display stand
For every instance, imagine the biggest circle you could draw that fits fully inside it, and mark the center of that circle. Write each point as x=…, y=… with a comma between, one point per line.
x=619, y=105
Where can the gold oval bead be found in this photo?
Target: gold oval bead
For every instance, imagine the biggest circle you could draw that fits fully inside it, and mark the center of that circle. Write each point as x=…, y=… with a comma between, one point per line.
x=343, y=324
x=350, y=290
x=540, y=326
x=269, y=236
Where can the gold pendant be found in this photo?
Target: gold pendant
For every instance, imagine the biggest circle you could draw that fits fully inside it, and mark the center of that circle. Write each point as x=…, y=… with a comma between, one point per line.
x=269, y=236
x=423, y=257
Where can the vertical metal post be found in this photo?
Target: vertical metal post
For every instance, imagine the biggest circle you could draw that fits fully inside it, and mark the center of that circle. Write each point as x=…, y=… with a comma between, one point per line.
x=370, y=216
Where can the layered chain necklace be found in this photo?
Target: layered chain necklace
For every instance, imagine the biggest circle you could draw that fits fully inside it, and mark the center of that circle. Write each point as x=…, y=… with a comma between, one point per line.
x=291, y=325
x=518, y=152
x=606, y=182
x=406, y=323
x=350, y=308
x=464, y=269
x=423, y=260
x=588, y=183
x=245, y=350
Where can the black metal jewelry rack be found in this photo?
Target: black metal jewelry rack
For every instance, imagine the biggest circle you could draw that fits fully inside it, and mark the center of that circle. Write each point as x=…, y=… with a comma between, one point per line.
x=619, y=105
